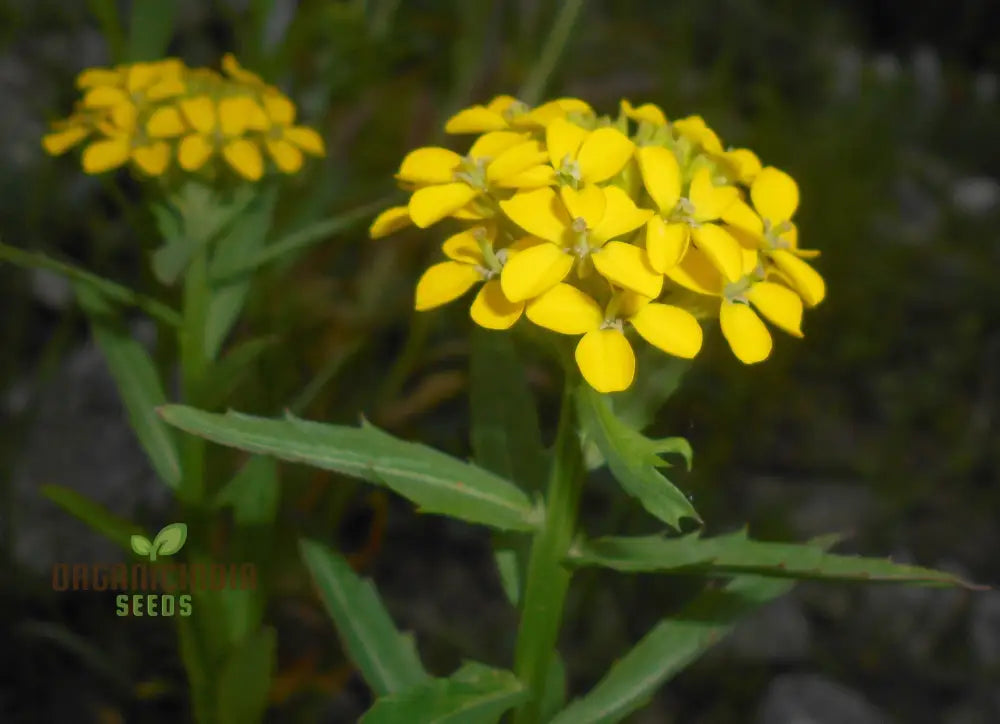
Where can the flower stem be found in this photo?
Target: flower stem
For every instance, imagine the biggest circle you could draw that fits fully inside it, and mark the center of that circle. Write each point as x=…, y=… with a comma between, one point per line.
x=547, y=579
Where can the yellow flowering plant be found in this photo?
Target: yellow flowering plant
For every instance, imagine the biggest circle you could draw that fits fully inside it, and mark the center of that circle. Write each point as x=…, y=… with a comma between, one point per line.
x=609, y=232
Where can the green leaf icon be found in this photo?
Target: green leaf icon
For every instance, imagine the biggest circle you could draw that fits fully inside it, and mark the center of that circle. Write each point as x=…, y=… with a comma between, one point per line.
x=141, y=545
x=169, y=540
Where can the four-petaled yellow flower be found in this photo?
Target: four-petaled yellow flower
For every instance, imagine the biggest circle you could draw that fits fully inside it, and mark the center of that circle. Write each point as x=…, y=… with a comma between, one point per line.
x=622, y=226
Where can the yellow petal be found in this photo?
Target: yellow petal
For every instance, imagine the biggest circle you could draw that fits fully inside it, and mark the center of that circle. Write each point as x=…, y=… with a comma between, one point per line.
x=200, y=113
x=604, y=153
x=697, y=273
x=238, y=114
x=165, y=88
x=695, y=129
x=492, y=310
x=743, y=223
x=124, y=116
x=389, y=221
x=430, y=165
x=775, y=195
x=573, y=105
x=102, y=156
x=245, y=158
x=193, y=152
x=432, y=203
x=152, y=159
x=139, y=76
x=237, y=72
x=279, y=109
x=165, y=122
x=105, y=97
x=672, y=329
x=626, y=266
x=621, y=216
x=549, y=112
x=515, y=160
x=98, y=76
x=444, y=282
x=541, y=213
x=307, y=139
x=491, y=145
x=606, y=360
x=464, y=247
x=806, y=280
x=563, y=139
x=719, y=246
x=286, y=156
x=535, y=177
x=661, y=175
x=791, y=237
x=648, y=112
x=710, y=201
x=477, y=119
x=779, y=305
x=587, y=203
x=666, y=243
x=566, y=309
x=746, y=334
x=500, y=103
x=534, y=270
x=58, y=142
x=743, y=163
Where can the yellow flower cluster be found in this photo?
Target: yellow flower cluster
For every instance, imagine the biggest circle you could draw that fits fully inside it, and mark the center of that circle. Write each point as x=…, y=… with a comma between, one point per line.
x=590, y=226
x=149, y=114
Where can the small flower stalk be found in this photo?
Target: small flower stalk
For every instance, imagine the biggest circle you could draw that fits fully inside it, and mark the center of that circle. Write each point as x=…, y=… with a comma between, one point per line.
x=163, y=120
x=609, y=228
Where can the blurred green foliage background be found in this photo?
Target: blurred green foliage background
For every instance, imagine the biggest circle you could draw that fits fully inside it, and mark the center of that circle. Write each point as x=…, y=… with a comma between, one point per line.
x=881, y=422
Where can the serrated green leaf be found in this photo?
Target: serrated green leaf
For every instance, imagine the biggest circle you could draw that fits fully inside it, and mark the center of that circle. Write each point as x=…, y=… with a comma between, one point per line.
x=475, y=694
x=137, y=382
x=668, y=648
x=435, y=482
x=387, y=659
x=245, y=680
x=113, y=527
x=633, y=458
x=736, y=554
x=170, y=539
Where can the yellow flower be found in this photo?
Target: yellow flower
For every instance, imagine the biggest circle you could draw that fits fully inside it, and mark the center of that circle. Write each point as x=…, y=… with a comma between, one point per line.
x=775, y=196
x=648, y=112
x=683, y=219
x=743, y=329
x=285, y=142
x=603, y=354
x=507, y=113
x=220, y=127
x=582, y=157
x=446, y=182
x=697, y=131
x=577, y=225
x=472, y=259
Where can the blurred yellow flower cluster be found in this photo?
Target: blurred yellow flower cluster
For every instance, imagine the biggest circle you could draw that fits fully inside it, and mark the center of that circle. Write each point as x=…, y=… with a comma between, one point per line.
x=151, y=115
x=593, y=226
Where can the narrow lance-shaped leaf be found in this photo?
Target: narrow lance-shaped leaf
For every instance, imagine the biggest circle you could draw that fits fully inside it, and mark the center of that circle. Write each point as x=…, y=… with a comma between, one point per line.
x=474, y=694
x=634, y=458
x=436, y=482
x=668, y=648
x=735, y=553
x=245, y=679
x=138, y=384
x=387, y=659
x=113, y=527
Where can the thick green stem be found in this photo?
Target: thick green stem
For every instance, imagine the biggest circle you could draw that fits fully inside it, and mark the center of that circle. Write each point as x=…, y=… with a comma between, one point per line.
x=547, y=579
x=194, y=364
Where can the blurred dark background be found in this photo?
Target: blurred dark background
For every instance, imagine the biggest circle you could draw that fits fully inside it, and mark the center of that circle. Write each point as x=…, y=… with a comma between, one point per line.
x=882, y=422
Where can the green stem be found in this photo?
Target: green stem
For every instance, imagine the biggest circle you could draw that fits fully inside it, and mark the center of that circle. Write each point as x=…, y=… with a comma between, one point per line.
x=547, y=579
x=534, y=86
x=194, y=364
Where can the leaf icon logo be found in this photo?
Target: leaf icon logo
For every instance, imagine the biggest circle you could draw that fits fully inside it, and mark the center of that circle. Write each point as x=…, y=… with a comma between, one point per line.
x=167, y=542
